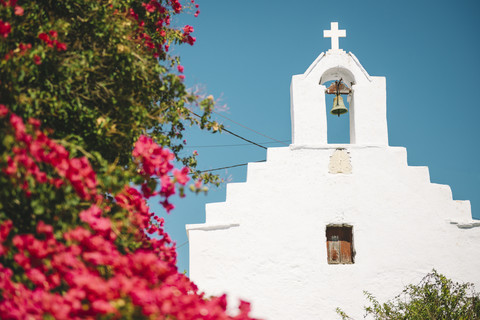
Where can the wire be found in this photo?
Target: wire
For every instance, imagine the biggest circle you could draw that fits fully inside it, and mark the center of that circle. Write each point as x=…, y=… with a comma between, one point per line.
x=216, y=169
x=230, y=145
x=282, y=142
x=182, y=244
x=234, y=166
x=236, y=135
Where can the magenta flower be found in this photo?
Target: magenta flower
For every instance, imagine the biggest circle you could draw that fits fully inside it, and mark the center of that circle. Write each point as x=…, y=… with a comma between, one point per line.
x=5, y=28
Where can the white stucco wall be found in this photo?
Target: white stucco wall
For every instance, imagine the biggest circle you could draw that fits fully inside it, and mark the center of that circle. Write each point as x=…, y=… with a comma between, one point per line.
x=267, y=242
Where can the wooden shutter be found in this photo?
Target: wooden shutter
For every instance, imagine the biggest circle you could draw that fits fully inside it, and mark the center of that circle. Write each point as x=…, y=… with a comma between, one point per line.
x=339, y=244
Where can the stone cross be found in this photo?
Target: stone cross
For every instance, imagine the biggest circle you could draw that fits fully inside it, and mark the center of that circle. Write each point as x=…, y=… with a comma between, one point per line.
x=334, y=33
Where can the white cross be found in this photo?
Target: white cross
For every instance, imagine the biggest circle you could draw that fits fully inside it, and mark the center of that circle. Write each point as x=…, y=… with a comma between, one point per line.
x=334, y=33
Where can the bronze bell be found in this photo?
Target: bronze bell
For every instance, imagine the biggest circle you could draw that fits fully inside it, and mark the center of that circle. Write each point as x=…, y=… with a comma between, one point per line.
x=338, y=106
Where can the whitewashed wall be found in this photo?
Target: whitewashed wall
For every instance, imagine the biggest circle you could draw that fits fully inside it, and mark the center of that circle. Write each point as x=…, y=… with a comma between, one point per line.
x=267, y=242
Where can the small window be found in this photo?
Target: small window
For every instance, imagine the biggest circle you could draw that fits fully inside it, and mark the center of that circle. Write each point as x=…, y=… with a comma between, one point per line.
x=340, y=244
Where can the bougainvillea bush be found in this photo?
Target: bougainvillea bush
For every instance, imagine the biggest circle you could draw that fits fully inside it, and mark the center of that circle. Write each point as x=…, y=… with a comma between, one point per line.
x=89, y=102
x=99, y=72
x=101, y=256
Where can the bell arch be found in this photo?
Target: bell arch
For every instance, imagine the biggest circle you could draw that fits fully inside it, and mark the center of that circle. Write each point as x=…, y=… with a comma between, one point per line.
x=367, y=119
x=336, y=73
x=347, y=77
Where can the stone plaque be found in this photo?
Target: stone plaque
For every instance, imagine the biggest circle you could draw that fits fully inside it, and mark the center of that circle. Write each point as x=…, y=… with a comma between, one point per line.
x=340, y=162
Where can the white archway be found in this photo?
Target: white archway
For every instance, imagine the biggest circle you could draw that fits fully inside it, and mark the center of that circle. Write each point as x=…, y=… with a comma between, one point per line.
x=347, y=77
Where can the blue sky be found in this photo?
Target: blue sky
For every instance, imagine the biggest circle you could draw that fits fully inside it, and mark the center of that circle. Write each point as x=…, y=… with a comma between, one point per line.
x=247, y=51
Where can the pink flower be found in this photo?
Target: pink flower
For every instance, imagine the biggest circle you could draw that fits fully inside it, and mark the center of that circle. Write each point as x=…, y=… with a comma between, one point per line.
x=92, y=216
x=5, y=228
x=198, y=184
x=189, y=39
x=3, y=110
x=34, y=122
x=77, y=234
x=102, y=306
x=5, y=28
x=18, y=125
x=3, y=250
x=36, y=276
x=24, y=47
x=182, y=176
x=151, y=6
x=167, y=205
x=96, y=258
x=176, y=6
x=180, y=68
x=133, y=14
x=187, y=29
x=18, y=11
x=61, y=46
x=43, y=228
x=44, y=37
x=244, y=308
x=153, y=158
x=12, y=167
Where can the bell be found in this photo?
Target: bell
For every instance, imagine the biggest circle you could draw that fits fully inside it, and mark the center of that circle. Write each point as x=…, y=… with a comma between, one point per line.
x=338, y=106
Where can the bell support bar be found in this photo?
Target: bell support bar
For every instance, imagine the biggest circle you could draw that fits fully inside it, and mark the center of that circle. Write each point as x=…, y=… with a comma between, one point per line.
x=338, y=87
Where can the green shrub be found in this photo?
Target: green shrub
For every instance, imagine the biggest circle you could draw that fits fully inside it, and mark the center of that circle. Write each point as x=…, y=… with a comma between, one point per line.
x=434, y=298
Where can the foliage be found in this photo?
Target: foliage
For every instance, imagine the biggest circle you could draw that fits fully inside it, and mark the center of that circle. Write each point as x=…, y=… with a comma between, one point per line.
x=435, y=297
x=104, y=256
x=99, y=73
x=88, y=105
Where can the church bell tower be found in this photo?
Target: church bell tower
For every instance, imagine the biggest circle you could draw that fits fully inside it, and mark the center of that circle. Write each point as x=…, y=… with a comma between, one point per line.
x=317, y=223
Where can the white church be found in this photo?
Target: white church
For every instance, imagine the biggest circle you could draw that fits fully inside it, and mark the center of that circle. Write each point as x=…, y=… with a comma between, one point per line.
x=317, y=223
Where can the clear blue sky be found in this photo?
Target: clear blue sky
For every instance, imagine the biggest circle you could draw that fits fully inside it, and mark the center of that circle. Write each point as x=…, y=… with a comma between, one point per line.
x=247, y=51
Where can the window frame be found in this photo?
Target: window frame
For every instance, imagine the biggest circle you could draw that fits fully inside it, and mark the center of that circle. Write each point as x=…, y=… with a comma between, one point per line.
x=339, y=244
